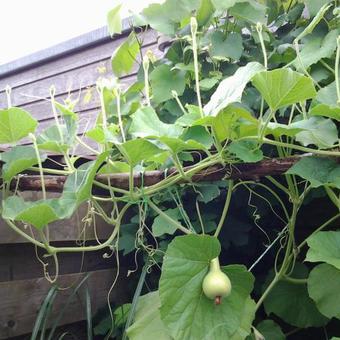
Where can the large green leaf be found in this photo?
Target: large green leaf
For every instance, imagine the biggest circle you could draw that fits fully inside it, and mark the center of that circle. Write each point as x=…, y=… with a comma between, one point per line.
x=78, y=185
x=223, y=4
x=315, y=49
x=147, y=322
x=292, y=303
x=114, y=20
x=319, y=131
x=18, y=159
x=318, y=171
x=177, y=145
x=228, y=47
x=184, y=308
x=248, y=316
x=161, y=226
x=57, y=139
x=124, y=56
x=145, y=123
x=15, y=124
x=38, y=213
x=164, y=81
x=231, y=88
x=324, y=246
x=138, y=150
x=270, y=330
x=323, y=288
x=247, y=151
x=249, y=10
x=283, y=87
x=326, y=111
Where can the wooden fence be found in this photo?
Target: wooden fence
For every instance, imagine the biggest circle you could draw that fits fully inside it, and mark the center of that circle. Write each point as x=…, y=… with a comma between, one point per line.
x=73, y=68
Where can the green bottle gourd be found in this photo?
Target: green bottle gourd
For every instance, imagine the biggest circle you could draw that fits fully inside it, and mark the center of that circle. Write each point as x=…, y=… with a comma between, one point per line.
x=216, y=284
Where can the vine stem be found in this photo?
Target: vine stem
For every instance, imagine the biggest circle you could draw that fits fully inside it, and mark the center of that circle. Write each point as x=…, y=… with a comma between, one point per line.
x=225, y=208
x=193, y=25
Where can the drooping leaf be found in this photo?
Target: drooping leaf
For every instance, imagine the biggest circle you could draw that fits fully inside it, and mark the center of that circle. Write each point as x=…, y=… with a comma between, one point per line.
x=229, y=47
x=124, y=56
x=324, y=246
x=127, y=238
x=137, y=150
x=315, y=5
x=318, y=131
x=230, y=89
x=316, y=49
x=205, y=12
x=56, y=139
x=18, y=159
x=198, y=134
x=323, y=288
x=207, y=191
x=177, y=145
x=270, y=330
x=185, y=310
x=326, y=111
x=38, y=213
x=283, y=87
x=15, y=124
x=148, y=323
x=318, y=171
x=249, y=10
x=247, y=151
x=145, y=123
x=114, y=20
x=292, y=303
x=78, y=185
x=164, y=80
x=161, y=226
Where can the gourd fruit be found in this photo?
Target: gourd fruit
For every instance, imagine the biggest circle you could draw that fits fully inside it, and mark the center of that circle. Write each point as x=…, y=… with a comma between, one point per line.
x=216, y=284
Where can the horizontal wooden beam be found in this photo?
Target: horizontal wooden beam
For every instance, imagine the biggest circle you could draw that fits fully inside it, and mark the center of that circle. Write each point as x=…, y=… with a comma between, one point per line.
x=245, y=171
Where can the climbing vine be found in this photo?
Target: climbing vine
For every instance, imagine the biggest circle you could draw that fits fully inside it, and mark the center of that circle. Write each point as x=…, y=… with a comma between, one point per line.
x=240, y=82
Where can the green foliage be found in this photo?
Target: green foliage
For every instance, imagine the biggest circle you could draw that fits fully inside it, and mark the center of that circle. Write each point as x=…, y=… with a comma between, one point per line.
x=114, y=21
x=15, y=124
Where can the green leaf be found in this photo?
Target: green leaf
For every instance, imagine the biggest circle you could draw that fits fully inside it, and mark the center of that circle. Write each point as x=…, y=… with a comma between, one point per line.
x=205, y=12
x=138, y=150
x=38, y=213
x=127, y=238
x=207, y=192
x=15, y=124
x=147, y=323
x=18, y=159
x=247, y=318
x=145, y=123
x=207, y=84
x=177, y=145
x=327, y=95
x=315, y=5
x=283, y=87
x=223, y=5
x=318, y=171
x=161, y=226
x=114, y=20
x=198, y=134
x=326, y=111
x=316, y=49
x=324, y=246
x=78, y=185
x=164, y=80
x=247, y=151
x=250, y=11
x=231, y=88
x=114, y=167
x=229, y=47
x=270, y=330
x=318, y=131
x=56, y=139
x=185, y=310
x=323, y=288
x=292, y=303
x=124, y=56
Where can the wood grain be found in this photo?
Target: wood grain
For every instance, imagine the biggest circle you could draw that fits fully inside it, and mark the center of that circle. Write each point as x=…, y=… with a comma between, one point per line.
x=21, y=300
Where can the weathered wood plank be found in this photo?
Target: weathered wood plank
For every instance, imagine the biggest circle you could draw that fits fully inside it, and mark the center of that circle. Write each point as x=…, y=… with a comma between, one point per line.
x=72, y=80
x=21, y=300
x=19, y=262
x=72, y=61
x=66, y=230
